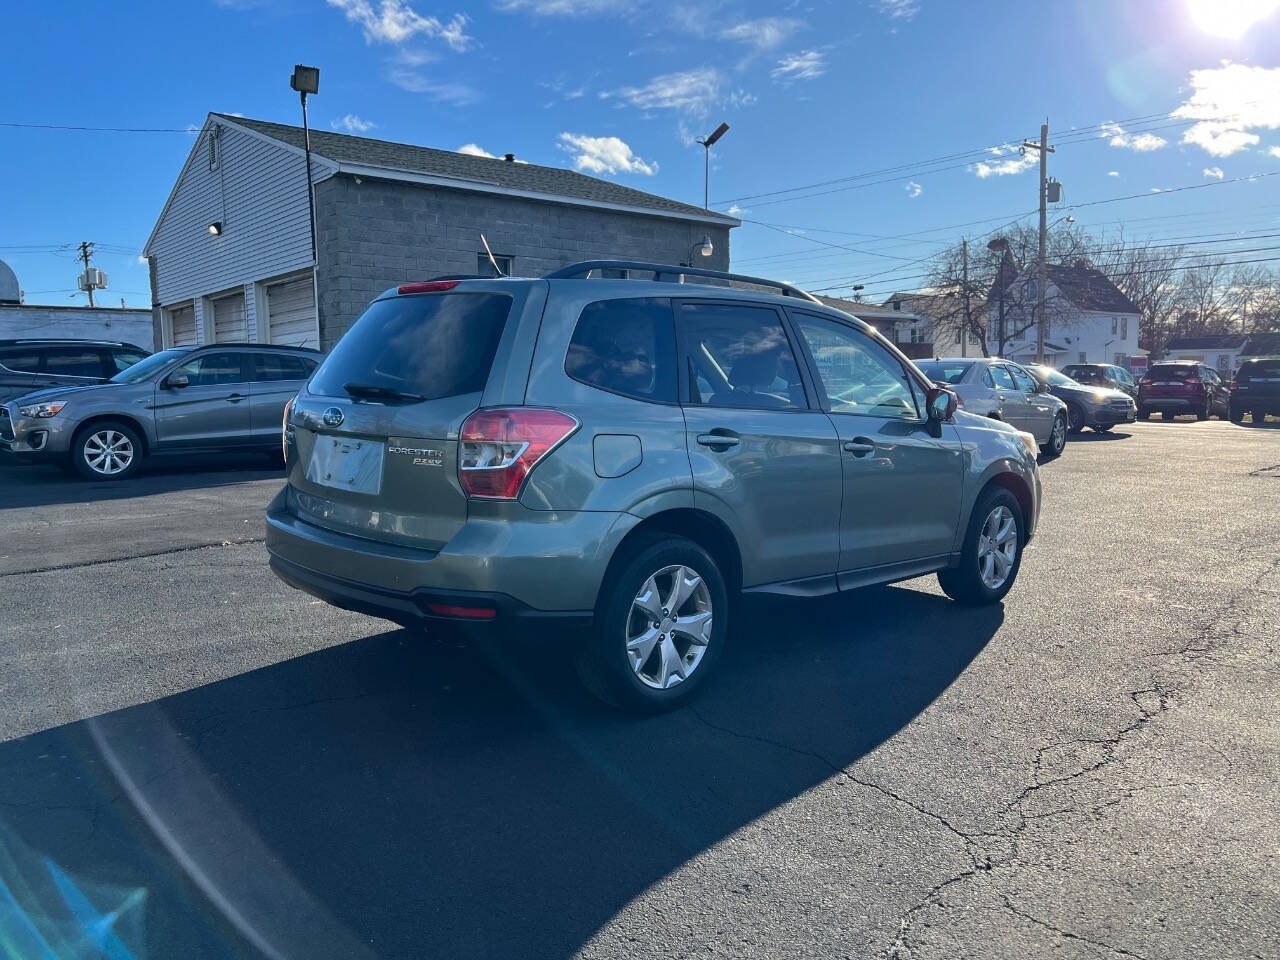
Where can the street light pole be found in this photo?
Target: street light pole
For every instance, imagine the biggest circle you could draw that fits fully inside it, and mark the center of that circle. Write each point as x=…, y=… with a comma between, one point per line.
x=307, y=80
x=1041, y=273
x=706, y=142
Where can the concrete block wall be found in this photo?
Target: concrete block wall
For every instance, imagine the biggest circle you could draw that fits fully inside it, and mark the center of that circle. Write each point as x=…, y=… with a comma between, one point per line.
x=376, y=234
x=78, y=323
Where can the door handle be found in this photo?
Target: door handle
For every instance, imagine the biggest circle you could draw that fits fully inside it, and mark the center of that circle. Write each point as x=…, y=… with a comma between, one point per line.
x=235, y=398
x=718, y=440
x=860, y=446
x=1000, y=396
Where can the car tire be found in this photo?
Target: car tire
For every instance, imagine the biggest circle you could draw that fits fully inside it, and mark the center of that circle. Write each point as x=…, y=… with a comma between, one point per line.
x=1166, y=414
x=1237, y=415
x=1144, y=414
x=1075, y=418
x=617, y=665
x=107, y=450
x=966, y=583
x=1102, y=427
x=1258, y=416
x=1057, y=438
x=1206, y=413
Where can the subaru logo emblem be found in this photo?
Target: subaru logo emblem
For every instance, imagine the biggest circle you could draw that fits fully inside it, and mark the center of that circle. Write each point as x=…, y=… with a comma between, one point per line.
x=332, y=417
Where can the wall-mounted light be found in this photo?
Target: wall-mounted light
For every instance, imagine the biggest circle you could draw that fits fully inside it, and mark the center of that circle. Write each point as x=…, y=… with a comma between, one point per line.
x=215, y=228
x=704, y=247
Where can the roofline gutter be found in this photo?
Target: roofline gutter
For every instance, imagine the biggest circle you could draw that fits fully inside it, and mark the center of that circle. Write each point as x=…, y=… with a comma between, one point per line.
x=480, y=186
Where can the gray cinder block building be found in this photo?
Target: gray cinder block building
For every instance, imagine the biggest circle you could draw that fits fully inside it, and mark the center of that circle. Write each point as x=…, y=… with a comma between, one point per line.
x=231, y=256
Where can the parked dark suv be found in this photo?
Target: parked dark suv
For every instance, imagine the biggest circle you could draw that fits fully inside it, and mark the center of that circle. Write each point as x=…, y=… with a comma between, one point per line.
x=1256, y=390
x=629, y=454
x=1175, y=387
x=27, y=365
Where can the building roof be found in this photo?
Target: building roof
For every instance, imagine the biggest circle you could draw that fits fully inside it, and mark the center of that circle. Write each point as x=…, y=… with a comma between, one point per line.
x=1089, y=289
x=9, y=292
x=1221, y=341
x=867, y=311
x=1262, y=344
x=485, y=173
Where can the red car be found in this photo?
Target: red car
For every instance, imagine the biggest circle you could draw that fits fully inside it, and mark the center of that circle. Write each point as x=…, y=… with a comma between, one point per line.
x=1176, y=387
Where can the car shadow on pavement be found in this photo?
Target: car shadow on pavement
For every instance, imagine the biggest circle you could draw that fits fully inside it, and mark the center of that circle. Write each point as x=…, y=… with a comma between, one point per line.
x=387, y=797
x=1092, y=436
x=42, y=484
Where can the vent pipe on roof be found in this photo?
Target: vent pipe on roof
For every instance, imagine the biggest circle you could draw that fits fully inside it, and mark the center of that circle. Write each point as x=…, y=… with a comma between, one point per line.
x=509, y=157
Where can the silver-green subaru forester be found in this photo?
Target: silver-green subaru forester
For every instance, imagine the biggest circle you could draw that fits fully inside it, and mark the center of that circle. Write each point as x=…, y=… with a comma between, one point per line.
x=631, y=454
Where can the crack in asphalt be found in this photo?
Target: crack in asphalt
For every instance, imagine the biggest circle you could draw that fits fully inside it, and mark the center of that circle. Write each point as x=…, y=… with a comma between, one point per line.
x=134, y=556
x=1067, y=934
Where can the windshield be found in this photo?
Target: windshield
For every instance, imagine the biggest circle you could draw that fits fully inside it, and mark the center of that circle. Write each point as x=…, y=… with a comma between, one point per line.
x=145, y=368
x=942, y=372
x=1054, y=378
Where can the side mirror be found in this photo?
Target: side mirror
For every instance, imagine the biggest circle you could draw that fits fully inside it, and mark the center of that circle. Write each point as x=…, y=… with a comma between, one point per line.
x=1042, y=387
x=177, y=381
x=941, y=404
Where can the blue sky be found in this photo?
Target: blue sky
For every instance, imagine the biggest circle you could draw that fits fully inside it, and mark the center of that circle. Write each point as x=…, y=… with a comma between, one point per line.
x=814, y=91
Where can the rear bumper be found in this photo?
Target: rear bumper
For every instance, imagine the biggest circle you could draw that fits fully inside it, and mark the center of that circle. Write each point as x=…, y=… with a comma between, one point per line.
x=1171, y=403
x=1243, y=402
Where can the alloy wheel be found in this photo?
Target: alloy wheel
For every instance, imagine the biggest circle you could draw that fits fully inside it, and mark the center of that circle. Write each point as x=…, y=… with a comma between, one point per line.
x=1058, y=439
x=108, y=452
x=669, y=626
x=997, y=547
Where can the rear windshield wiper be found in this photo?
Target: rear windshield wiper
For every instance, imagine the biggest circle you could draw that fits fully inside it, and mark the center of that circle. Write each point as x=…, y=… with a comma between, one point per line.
x=381, y=392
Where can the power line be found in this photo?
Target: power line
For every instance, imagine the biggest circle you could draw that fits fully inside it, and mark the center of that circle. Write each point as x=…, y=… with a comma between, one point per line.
x=64, y=126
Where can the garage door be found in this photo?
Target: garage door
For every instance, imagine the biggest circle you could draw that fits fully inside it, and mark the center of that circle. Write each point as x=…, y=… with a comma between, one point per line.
x=182, y=320
x=291, y=309
x=228, y=319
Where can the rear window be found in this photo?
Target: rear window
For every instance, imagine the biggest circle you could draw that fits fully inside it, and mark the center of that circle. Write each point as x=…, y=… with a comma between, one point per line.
x=1171, y=370
x=21, y=361
x=431, y=345
x=943, y=372
x=626, y=347
x=1259, y=368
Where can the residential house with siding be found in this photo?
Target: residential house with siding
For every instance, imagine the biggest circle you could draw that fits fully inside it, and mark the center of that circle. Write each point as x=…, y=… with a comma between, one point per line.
x=231, y=255
x=1224, y=352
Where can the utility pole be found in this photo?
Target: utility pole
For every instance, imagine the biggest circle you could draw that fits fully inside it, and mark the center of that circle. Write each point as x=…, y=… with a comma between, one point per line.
x=964, y=333
x=86, y=251
x=1045, y=150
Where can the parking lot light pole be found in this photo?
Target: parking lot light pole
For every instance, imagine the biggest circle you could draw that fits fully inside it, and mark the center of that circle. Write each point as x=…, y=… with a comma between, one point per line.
x=706, y=142
x=307, y=80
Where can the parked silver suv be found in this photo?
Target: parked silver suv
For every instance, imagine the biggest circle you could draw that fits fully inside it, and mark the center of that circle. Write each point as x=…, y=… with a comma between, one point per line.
x=221, y=398
x=630, y=454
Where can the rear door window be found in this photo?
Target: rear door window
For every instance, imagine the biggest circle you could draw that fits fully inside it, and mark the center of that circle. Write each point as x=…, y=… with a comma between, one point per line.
x=429, y=345
x=738, y=355
x=269, y=367
x=73, y=362
x=626, y=347
x=21, y=361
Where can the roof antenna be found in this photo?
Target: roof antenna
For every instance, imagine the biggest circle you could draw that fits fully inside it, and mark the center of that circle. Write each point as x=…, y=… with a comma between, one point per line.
x=496, y=269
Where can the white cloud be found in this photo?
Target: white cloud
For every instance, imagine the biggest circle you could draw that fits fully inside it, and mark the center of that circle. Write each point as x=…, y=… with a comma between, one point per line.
x=740, y=98
x=913, y=189
x=562, y=8
x=352, y=124
x=1117, y=136
x=142, y=259
x=692, y=91
x=394, y=21
x=1003, y=168
x=1229, y=102
x=405, y=72
x=604, y=155
x=807, y=65
x=1275, y=152
x=193, y=128
x=1214, y=172
x=898, y=9
x=1113, y=173
x=736, y=211
x=475, y=150
x=1001, y=150
x=762, y=34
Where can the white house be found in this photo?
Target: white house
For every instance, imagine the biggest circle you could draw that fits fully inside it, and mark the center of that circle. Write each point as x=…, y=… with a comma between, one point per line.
x=1089, y=319
x=1223, y=352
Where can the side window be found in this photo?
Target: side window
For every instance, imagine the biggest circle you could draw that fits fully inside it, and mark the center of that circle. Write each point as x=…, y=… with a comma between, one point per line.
x=1023, y=380
x=738, y=355
x=124, y=359
x=626, y=347
x=73, y=362
x=268, y=367
x=213, y=369
x=21, y=361
x=986, y=378
x=1003, y=378
x=856, y=373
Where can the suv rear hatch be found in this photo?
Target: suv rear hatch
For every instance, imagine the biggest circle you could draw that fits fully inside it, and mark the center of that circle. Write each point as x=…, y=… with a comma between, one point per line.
x=374, y=450
x=1172, y=380
x=1259, y=380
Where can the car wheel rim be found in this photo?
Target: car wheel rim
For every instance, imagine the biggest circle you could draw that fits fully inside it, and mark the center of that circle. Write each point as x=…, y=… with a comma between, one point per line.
x=669, y=627
x=997, y=547
x=1059, y=434
x=108, y=452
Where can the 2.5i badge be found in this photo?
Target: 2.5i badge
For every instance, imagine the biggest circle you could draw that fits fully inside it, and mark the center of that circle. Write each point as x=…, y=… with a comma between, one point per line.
x=422, y=456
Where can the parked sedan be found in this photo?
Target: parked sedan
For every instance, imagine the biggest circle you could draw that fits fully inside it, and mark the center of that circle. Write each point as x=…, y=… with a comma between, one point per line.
x=1003, y=390
x=1102, y=375
x=1099, y=408
x=1175, y=387
x=214, y=399
x=1256, y=390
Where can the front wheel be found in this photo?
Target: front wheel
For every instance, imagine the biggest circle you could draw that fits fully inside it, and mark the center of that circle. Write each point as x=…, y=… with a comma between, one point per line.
x=659, y=628
x=992, y=551
x=107, y=450
x=1077, y=419
x=1057, y=437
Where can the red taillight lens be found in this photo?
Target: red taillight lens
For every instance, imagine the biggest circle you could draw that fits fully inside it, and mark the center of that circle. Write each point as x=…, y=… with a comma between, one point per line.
x=427, y=286
x=462, y=613
x=1232, y=384
x=499, y=447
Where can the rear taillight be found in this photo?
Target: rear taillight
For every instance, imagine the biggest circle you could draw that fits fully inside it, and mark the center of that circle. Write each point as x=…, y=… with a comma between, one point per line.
x=1232, y=384
x=284, y=429
x=1144, y=382
x=499, y=447
x=427, y=286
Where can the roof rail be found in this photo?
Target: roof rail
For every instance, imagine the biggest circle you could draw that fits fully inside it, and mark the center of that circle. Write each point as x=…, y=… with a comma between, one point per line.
x=674, y=273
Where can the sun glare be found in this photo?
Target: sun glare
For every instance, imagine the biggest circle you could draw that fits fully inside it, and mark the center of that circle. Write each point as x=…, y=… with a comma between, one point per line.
x=1229, y=18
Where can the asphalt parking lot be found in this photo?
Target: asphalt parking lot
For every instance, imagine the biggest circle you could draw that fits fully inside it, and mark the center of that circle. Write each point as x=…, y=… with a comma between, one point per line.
x=218, y=765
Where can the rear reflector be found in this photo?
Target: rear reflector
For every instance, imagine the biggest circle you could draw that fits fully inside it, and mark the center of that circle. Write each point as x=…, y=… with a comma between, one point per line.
x=499, y=447
x=427, y=286
x=467, y=613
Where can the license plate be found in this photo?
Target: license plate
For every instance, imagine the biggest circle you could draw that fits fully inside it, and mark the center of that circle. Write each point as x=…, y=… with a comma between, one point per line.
x=346, y=463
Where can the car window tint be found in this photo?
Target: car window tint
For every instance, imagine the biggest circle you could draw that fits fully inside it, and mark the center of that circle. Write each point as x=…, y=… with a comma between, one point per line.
x=1003, y=377
x=739, y=356
x=627, y=347
x=1023, y=380
x=269, y=367
x=856, y=373
x=21, y=361
x=124, y=359
x=212, y=369
x=73, y=362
